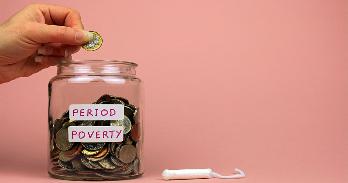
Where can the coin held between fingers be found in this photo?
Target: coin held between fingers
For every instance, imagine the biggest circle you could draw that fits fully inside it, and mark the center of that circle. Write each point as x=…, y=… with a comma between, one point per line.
x=94, y=43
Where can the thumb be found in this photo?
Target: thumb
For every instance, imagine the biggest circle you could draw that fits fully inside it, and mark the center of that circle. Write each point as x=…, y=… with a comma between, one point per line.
x=43, y=33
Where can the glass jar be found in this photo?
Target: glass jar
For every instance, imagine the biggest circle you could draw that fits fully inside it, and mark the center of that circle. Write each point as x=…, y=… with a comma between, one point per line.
x=95, y=121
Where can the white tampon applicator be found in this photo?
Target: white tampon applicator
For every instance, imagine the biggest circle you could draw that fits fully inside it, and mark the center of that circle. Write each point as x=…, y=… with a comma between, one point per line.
x=199, y=174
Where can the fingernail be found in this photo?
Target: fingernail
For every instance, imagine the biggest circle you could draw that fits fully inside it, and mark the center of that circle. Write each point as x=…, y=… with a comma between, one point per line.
x=38, y=59
x=89, y=35
x=83, y=36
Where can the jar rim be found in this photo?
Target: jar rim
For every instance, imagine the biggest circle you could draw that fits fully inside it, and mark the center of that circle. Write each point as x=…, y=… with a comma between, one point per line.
x=95, y=61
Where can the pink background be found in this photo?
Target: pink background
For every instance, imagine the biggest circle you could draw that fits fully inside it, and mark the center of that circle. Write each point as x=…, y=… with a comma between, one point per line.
x=259, y=85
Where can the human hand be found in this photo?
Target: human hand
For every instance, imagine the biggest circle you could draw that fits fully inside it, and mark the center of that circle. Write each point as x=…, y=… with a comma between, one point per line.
x=37, y=37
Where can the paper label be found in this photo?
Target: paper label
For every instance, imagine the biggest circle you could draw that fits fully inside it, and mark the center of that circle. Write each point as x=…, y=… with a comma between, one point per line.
x=96, y=112
x=95, y=133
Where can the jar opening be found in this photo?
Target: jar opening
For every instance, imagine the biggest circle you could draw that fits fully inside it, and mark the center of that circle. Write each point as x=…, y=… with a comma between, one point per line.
x=96, y=67
x=96, y=62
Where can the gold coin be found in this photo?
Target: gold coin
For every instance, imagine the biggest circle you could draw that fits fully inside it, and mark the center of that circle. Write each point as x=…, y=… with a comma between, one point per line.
x=101, y=155
x=90, y=153
x=106, y=164
x=62, y=141
x=95, y=43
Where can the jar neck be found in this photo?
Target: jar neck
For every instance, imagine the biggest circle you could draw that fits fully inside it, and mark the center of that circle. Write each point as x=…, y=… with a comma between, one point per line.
x=97, y=67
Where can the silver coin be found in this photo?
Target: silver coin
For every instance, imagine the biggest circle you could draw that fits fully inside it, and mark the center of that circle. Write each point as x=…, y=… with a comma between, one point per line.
x=57, y=124
x=117, y=162
x=106, y=164
x=126, y=123
x=90, y=164
x=95, y=43
x=117, y=101
x=128, y=170
x=66, y=165
x=93, y=146
x=87, y=123
x=112, y=147
x=125, y=101
x=63, y=157
x=136, y=166
x=129, y=111
x=77, y=164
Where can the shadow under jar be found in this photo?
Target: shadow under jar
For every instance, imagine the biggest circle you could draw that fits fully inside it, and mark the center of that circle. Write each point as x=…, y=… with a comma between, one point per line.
x=95, y=121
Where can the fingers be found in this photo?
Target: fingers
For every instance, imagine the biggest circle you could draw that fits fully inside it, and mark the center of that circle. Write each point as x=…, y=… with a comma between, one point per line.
x=28, y=67
x=43, y=33
x=58, y=51
x=46, y=61
x=37, y=64
x=60, y=15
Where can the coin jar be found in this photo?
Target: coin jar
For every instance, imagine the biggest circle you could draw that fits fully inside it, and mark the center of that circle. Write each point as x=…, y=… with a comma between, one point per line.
x=95, y=121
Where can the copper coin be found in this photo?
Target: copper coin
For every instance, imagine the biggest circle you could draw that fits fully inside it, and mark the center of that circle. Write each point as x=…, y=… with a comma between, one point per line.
x=101, y=155
x=127, y=153
x=70, y=154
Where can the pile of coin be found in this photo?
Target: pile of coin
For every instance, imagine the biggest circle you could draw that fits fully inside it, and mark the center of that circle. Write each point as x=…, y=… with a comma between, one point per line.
x=100, y=160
